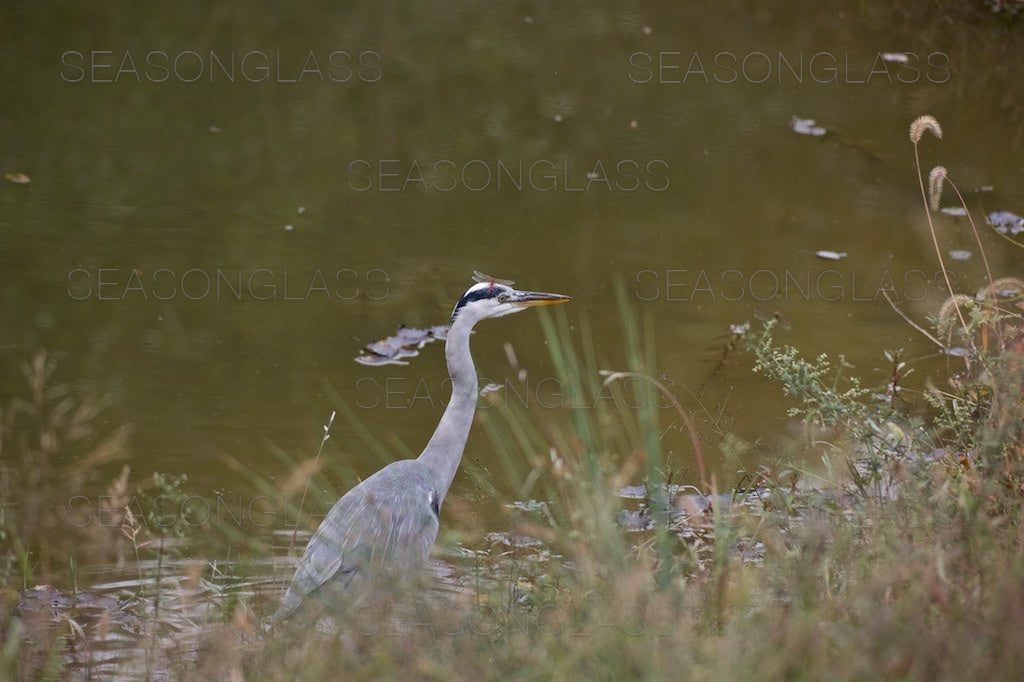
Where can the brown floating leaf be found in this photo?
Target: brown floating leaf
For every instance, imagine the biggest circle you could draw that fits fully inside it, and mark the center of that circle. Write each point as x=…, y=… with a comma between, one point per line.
x=404, y=344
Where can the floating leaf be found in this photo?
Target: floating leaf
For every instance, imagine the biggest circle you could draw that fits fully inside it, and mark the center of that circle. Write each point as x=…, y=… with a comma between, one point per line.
x=633, y=492
x=695, y=505
x=406, y=343
x=528, y=505
x=640, y=492
x=806, y=126
x=635, y=521
x=86, y=608
x=897, y=57
x=374, y=360
x=491, y=387
x=1006, y=222
x=513, y=539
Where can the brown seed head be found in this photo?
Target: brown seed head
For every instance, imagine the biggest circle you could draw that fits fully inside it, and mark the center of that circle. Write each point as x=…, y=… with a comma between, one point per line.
x=923, y=123
x=935, y=180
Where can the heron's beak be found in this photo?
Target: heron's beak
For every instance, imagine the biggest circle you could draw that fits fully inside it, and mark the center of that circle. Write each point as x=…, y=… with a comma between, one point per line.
x=531, y=298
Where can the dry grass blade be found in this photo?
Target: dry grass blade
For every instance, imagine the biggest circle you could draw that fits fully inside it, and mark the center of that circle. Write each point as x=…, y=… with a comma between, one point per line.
x=298, y=479
x=691, y=428
x=925, y=332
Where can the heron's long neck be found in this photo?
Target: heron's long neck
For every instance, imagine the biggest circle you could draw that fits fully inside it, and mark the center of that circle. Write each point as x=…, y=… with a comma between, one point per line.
x=444, y=450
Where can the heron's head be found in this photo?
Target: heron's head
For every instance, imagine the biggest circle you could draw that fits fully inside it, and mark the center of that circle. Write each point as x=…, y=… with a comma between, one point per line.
x=495, y=298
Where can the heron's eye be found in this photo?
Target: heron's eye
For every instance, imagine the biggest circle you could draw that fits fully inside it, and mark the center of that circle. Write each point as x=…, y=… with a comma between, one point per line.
x=503, y=298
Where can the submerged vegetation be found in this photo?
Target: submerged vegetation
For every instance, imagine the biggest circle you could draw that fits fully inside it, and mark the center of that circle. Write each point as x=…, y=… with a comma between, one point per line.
x=899, y=554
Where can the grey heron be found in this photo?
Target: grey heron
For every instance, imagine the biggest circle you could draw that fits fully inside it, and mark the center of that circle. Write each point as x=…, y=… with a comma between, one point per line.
x=388, y=522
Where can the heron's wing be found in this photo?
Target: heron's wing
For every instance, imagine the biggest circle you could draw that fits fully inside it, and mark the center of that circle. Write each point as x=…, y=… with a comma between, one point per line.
x=339, y=546
x=389, y=520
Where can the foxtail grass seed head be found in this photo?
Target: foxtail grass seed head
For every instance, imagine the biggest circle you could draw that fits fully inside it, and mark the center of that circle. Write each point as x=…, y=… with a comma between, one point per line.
x=935, y=180
x=948, y=313
x=923, y=123
x=1005, y=286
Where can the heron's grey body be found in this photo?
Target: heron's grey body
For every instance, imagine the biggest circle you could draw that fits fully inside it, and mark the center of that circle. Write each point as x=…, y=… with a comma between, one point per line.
x=388, y=523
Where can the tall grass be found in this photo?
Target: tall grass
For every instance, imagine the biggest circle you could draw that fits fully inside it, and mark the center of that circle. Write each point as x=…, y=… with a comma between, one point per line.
x=909, y=570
